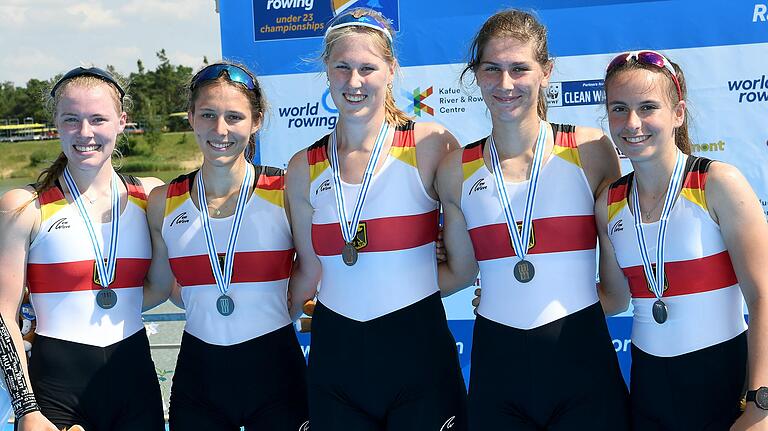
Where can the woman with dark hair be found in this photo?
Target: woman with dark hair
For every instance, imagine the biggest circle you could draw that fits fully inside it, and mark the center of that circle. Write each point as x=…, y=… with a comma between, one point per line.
x=78, y=240
x=221, y=237
x=704, y=222
x=382, y=356
x=519, y=206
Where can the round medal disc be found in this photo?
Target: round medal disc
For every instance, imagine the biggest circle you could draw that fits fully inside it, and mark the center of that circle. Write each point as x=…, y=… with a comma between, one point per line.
x=225, y=305
x=659, y=311
x=106, y=298
x=349, y=254
x=524, y=271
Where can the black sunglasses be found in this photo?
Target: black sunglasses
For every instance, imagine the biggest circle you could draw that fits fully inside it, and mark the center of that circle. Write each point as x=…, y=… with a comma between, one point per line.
x=91, y=71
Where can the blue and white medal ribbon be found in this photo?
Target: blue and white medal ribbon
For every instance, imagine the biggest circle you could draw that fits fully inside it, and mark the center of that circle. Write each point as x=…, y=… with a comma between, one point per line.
x=524, y=269
x=224, y=304
x=349, y=226
x=656, y=281
x=105, y=269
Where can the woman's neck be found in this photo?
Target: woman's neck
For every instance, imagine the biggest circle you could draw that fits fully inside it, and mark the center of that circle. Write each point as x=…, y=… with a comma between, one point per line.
x=223, y=180
x=652, y=176
x=515, y=138
x=358, y=135
x=93, y=183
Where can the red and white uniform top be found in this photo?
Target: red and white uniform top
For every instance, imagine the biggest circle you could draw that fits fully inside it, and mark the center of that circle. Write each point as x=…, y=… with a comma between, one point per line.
x=262, y=262
x=702, y=293
x=395, y=238
x=61, y=268
x=561, y=248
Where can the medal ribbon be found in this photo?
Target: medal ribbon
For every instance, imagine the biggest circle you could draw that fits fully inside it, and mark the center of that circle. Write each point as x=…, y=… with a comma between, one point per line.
x=519, y=239
x=656, y=281
x=349, y=227
x=106, y=270
x=223, y=278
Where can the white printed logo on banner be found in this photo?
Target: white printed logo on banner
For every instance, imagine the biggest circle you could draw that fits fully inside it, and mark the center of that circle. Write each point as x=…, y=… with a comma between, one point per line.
x=760, y=13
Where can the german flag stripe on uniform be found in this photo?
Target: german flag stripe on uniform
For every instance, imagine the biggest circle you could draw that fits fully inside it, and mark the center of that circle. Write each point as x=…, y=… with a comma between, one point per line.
x=686, y=277
x=565, y=144
x=472, y=158
x=404, y=145
x=178, y=192
x=249, y=267
x=317, y=157
x=382, y=234
x=78, y=276
x=51, y=201
x=617, y=196
x=551, y=235
x=694, y=182
x=136, y=195
x=270, y=185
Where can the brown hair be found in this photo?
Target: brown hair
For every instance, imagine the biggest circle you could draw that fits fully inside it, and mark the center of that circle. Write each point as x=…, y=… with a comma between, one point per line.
x=255, y=97
x=682, y=137
x=519, y=25
x=393, y=114
x=49, y=175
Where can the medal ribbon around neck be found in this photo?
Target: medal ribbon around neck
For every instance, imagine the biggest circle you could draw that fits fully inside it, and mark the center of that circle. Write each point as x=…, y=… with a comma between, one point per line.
x=223, y=278
x=349, y=226
x=106, y=270
x=519, y=239
x=656, y=281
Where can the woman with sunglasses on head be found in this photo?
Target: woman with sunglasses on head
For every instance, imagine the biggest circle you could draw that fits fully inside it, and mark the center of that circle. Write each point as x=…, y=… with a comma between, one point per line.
x=703, y=221
x=365, y=215
x=222, y=233
x=519, y=205
x=78, y=240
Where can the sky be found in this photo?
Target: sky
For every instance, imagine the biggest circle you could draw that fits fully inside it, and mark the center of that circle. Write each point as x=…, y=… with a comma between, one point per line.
x=41, y=38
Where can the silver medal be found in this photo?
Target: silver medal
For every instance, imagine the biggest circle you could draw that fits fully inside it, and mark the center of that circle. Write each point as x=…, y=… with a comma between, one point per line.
x=349, y=254
x=524, y=271
x=106, y=298
x=225, y=305
x=660, y=311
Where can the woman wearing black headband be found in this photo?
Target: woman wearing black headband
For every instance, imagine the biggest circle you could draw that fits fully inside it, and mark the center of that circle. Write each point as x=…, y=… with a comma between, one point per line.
x=79, y=241
x=382, y=356
x=222, y=233
x=704, y=222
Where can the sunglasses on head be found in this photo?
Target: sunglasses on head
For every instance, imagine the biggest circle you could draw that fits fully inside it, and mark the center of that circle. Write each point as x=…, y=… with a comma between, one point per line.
x=349, y=19
x=91, y=71
x=651, y=58
x=234, y=73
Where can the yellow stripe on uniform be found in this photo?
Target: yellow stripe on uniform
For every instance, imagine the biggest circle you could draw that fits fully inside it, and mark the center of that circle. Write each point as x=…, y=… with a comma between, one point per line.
x=51, y=208
x=405, y=154
x=696, y=196
x=470, y=168
x=568, y=154
x=615, y=207
x=273, y=196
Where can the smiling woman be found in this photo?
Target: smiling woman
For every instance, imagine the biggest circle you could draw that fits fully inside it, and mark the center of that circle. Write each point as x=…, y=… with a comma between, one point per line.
x=85, y=281
x=222, y=242
x=377, y=261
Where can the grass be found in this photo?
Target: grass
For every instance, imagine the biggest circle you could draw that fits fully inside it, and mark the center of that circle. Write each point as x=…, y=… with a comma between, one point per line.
x=176, y=151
